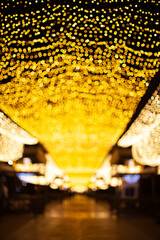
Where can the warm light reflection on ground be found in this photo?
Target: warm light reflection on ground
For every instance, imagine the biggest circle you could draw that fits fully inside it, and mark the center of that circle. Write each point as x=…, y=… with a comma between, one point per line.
x=80, y=207
x=78, y=218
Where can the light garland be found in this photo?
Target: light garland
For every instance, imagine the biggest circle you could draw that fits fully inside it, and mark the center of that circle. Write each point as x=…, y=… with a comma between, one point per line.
x=144, y=133
x=52, y=174
x=115, y=182
x=10, y=150
x=147, y=119
x=147, y=150
x=123, y=169
x=102, y=176
x=74, y=72
x=52, y=170
x=31, y=178
x=36, y=167
x=13, y=131
x=12, y=139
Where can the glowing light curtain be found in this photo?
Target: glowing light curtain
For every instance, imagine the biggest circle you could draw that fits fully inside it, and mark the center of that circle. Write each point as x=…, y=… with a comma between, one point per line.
x=13, y=131
x=73, y=72
x=12, y=139
x=10, y=149
x=144, y=133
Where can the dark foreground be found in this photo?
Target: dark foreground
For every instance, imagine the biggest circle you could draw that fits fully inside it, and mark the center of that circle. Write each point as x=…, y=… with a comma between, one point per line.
x=77, y=218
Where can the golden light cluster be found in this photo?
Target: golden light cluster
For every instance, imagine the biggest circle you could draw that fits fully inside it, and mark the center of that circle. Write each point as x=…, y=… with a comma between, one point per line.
x=109, y=175
x=102, y=177
x=73, y=72
x=42, y=174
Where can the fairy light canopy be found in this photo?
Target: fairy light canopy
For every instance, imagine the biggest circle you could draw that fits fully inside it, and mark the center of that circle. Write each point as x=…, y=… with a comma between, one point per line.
x=73, y=72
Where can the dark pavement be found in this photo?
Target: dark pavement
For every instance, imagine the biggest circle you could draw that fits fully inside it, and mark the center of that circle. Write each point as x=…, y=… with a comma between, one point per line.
x=78, y=218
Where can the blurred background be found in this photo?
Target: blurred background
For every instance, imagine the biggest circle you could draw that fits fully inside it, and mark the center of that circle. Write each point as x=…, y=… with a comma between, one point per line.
x=80, y=111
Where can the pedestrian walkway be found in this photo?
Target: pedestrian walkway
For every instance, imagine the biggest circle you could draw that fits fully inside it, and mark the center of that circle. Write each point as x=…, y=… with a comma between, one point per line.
x=77, y=218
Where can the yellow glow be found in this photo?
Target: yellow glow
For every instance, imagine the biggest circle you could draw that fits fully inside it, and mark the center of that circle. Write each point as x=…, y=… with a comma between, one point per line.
x=79, y=189
x=115, y=182
x=124, y=169
x=73, y=76
x=36, y=167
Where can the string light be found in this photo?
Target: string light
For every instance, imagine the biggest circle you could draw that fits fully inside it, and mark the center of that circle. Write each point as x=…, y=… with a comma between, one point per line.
x=73, y=73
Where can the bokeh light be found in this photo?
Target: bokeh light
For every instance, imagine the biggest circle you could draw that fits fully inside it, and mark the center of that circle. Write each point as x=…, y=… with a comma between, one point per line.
x=73, y=72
